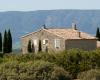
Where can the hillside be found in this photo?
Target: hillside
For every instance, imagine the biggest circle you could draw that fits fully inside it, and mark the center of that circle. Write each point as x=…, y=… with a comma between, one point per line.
x=22, y=23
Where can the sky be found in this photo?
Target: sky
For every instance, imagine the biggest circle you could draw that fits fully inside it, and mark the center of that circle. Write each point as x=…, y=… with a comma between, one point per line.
x=32, y=5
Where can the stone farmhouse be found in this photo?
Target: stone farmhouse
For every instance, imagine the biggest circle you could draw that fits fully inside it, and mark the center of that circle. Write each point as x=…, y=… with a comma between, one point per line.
x=59, y=39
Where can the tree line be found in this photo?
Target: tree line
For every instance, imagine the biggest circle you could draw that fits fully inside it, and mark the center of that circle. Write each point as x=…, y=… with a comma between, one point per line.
x=6, y=42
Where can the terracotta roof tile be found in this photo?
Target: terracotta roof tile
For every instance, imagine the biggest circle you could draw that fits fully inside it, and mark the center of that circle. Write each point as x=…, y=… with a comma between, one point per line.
x=70, y=34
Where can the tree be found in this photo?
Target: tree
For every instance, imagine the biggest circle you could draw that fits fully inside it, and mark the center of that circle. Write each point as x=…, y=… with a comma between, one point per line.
x=46, y=49
x=33, y=48
x=5, y=43
x=29, y=49
x=39, y=47
x=98, y=33
x=0, y=42
x=9, y=41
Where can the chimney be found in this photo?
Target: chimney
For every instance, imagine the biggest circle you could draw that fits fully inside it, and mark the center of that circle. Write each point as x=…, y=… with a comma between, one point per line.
x=74, y=26
x=44, y=27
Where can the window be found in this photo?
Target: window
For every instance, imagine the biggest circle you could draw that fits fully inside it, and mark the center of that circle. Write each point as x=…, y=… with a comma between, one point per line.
x=45, y=41
x=57, y=43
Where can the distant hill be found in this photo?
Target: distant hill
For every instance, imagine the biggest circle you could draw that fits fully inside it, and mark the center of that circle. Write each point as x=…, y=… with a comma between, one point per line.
x=22, y=23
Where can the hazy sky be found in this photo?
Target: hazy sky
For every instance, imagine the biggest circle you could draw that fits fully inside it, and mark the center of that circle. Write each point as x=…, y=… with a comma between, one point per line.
x=30, y=5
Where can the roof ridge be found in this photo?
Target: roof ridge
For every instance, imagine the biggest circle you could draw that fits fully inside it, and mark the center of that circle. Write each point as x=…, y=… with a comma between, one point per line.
x=66, y=33
x=31, y=33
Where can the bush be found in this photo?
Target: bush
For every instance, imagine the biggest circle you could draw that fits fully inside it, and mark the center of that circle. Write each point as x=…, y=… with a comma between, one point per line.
x=37, y=70
x=74, y=61
x=90, y=75
x=60, y=74
x=18, y=57
x=8, y=70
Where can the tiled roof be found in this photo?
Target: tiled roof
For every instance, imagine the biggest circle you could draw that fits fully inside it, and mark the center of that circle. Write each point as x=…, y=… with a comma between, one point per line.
x=70, y=34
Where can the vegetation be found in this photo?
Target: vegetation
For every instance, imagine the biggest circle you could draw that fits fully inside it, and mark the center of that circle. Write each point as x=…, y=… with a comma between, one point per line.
x=65, y=65
x=90, y=75
x=7, y=42
x=40, y=47
x=98, y=33
x=32, y=70
x=0, y=42
x=29, y=48
x=33, y=48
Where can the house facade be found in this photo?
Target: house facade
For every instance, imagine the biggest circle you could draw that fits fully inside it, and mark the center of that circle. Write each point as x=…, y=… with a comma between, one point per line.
x=59, y=39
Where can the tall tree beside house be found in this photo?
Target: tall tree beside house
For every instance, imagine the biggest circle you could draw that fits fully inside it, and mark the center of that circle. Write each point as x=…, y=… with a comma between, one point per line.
x=33, y=48
x=46, y=49
x=0, y=42
x=98, y=33
x=29, y=48
x=9, y=41
x=5, y=43
x=39, y=47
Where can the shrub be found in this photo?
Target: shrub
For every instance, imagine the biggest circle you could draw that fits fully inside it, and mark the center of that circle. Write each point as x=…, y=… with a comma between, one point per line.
x=50, y=57
x=74, y=61
x=8, y=70
x=90, y=75
x=60, y=74
x=18, y=57
x=37, y=70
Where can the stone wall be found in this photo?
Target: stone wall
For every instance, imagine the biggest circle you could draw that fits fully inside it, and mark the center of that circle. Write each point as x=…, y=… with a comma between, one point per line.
x=85, y=44
x=41, y=35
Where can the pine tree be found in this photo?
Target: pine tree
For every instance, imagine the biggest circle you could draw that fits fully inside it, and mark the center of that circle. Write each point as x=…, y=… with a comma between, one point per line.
x=9, y=41
x=5, y=43
x=39, y=47
x=29, y=49
x=0, y=42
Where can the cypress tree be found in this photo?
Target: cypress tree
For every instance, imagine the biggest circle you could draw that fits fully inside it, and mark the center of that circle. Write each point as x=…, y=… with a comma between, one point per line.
x=33, y=48
x=98, y=33
x=29, y=49
x=46, y=49
x=0, y=42
x=5, y=42
x=39, y=47
x=9, y=41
